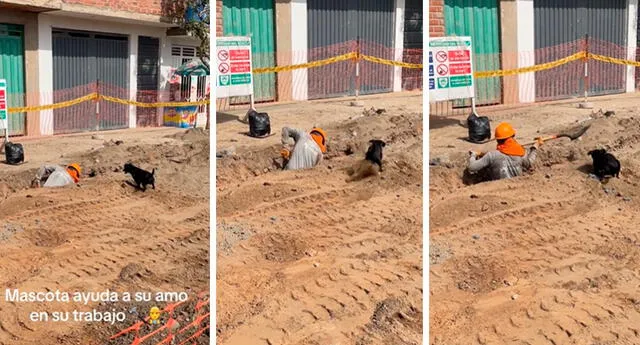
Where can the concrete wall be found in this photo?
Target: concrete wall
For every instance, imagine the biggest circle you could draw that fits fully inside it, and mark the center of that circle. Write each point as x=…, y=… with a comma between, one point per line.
x=632, y=33
x=283, y=49
x=46, y=22
x=32, y=86
x=398, y=43
x=299, y=48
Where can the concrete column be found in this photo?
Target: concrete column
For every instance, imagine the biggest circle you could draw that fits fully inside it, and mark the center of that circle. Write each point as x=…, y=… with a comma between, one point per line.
x=509, y=45
x=283, y=49
x=299, y=49
x=133, y=78
x=45, y=68
x=517, y=30
x=526, y=50
x=399, y=44
x=632, y=25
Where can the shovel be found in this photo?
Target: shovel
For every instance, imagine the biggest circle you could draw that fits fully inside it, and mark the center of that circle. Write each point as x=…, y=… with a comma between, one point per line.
x=572, y=134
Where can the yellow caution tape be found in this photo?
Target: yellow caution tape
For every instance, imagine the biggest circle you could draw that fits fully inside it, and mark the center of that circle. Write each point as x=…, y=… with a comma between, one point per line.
x=94, y=96
x=391, y=62
x=534, y=68
x=154, y=105
x=65, y=104
x=350, y=56
x=306, y=65
x=614, y=60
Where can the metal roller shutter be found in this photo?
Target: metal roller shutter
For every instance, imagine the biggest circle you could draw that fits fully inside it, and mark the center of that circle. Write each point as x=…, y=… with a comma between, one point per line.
x=331, y=25
x=560, y=27
x=80, y=59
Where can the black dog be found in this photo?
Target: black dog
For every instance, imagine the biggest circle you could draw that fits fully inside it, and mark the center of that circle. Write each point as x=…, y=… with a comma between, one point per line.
x=604, y=163
x=141, y=177
x=374, y=153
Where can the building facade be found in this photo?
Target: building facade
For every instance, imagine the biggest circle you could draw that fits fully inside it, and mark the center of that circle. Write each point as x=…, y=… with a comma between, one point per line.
x=55, y=50
x=299, y=31
x=509, y=34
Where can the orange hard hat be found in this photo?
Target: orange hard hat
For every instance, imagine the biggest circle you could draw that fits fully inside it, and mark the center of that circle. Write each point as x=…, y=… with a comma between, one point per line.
x=320, y=137
x=504, y=131
x=74, y=171
x=75, y=166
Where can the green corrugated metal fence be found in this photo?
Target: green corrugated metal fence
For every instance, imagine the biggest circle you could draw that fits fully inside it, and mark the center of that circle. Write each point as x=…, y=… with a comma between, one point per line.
x=479, y=19
x=254, y=18
x=12, y=69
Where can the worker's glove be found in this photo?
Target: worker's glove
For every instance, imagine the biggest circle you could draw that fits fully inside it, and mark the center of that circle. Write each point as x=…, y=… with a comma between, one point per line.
x=285, y=153
x=476, y=154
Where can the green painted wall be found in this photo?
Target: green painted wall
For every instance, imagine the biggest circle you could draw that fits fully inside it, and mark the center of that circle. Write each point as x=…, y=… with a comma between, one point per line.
x=255, y=18
x=12, y=69
x=479, y=19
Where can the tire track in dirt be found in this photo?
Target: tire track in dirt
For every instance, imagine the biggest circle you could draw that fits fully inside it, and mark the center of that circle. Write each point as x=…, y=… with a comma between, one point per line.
x=84, y=244
x=322, y=254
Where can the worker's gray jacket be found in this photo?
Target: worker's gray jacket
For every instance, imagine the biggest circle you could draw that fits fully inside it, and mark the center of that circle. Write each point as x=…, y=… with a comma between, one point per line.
x=305, y=154
x=500, y=166
x=54, y=176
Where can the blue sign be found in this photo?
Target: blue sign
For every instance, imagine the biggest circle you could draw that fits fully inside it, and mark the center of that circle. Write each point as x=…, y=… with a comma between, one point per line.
x=432, y=84
x=431, y=73
x=430, y=57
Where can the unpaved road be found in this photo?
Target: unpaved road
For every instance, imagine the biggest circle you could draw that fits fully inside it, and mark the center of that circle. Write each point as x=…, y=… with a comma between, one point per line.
x=548, y=258
x=306, y=258
x=103, y=234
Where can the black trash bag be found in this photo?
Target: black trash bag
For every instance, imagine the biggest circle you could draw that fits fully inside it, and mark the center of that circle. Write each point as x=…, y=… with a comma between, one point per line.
x=259, y=124
x=14, y=153
x=479, y=128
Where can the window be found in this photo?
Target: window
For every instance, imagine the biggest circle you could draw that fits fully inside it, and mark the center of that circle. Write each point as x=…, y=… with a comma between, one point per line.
x=182, y=55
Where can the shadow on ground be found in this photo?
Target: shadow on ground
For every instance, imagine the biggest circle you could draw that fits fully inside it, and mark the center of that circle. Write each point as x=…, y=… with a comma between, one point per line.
x=226, y=117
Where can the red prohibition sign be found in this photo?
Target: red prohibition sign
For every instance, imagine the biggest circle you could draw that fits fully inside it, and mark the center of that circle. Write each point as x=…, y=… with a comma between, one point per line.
x=441, y=56
x=223, y=55
x=442, y=69
x=223, y=68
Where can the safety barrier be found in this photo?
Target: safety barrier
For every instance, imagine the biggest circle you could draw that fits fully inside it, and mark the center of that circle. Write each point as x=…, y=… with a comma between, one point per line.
x=330, y=71
x=99, y=106
x=552, y=73
x=97, y=97
x=171, y=332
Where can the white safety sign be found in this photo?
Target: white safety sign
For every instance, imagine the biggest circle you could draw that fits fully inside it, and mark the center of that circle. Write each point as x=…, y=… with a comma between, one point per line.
x=233, y=67
x=4, y=108
x=450, y=68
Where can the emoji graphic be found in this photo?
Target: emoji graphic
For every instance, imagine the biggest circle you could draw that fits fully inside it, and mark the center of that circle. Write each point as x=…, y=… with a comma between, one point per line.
x=154, y=316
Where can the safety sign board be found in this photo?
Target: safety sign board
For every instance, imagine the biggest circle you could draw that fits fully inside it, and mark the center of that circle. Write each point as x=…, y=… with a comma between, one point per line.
x=4, y=108
x=451, y=59
x=234, y=67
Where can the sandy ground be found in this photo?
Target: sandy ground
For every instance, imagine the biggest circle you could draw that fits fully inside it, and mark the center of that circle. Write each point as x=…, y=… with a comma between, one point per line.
x=548, y=258
x=307, y=258
x=103, y=234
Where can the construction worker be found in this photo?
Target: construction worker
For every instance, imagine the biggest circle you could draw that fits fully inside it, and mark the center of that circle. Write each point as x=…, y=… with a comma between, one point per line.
x=307, y=150
x=57, y=176
x=510, y=158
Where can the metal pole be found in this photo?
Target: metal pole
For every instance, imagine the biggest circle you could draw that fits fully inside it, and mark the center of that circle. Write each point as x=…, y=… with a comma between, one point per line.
x=473, y=106
x=98, y=105
x=357, y=68
x=586, y=67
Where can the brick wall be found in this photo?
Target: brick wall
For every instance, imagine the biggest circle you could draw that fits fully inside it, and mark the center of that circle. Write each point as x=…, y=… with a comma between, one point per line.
x=219, y=29
x=135, y=6
x=436, y=18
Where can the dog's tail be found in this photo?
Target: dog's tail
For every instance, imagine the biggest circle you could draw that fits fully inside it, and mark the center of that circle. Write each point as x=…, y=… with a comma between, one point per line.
x=153, y=172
